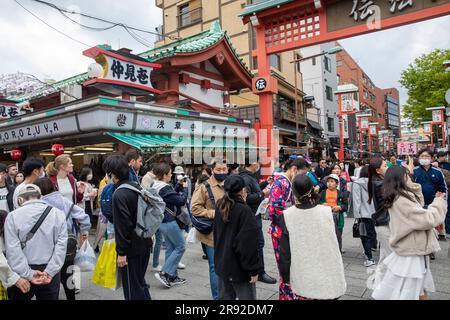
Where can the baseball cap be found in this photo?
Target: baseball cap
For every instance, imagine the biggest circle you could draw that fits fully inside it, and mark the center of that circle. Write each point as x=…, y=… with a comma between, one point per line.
x=234, y=183
x=333, y=176
x=29, y=190
x=178, y=170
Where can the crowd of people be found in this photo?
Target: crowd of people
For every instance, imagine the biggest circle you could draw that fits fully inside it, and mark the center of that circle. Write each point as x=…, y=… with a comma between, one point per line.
x=400, y=209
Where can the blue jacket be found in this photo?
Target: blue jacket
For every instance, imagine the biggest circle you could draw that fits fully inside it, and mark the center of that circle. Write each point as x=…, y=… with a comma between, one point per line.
x=431, y=181
x=172, y=199
x=133, y=176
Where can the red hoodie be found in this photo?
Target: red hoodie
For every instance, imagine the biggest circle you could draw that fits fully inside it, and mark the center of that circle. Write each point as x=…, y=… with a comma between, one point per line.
x=78, y=197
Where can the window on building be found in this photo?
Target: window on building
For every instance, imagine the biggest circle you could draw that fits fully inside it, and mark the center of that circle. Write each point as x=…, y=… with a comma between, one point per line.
x=275, y=61
x=254, y=63
x=327, y=64
x=329, y=92
x=189, y=13
x=313, y=61
x=339, y=63
x=330, y=124
x=338, y=79
x=297, y=57
x=365, y=94
x=253, y=35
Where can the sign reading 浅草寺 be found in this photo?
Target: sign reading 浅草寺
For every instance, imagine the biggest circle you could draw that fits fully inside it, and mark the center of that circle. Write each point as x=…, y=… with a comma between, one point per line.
x=122, y=70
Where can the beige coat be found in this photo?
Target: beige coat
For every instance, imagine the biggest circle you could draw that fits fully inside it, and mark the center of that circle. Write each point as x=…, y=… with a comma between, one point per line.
x=412, y=226
x=201, y=206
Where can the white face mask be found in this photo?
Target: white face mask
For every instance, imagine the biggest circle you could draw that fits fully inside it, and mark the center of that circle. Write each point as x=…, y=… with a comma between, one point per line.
x=89, y=177
x=424, y=162
x=42, y=175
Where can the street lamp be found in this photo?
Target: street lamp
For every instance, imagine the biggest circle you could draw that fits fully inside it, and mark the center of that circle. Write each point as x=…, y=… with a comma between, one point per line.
x=333, y=50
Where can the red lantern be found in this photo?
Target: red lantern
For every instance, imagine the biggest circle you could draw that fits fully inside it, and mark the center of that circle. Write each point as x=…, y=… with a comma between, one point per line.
x=57, y=149
x=16, y=154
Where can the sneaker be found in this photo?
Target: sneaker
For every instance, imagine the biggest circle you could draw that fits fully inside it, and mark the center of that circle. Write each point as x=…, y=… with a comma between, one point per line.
x=158, y=268
x=77, y=291
x=181, y=265
x=342, y=251
x=369, y=263
x=205, y=257
x=163, y=278
x=177, y=281
x=442, y=237
x=432, y=256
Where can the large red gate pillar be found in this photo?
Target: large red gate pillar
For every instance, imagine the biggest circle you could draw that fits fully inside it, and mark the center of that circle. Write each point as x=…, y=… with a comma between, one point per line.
x=265, y=86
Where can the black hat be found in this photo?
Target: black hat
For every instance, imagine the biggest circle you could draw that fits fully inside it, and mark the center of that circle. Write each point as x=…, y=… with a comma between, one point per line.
x=234, y=183
x=3, y=168
x=442, y=154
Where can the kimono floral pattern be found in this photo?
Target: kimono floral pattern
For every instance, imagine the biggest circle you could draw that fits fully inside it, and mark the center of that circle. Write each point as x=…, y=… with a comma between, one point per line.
x=280, y=197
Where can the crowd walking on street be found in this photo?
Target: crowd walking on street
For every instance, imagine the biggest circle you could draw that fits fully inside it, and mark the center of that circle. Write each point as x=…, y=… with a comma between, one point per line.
x=143, y=215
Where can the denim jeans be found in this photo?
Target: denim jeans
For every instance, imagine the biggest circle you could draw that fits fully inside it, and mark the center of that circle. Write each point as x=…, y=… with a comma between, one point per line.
x=213, y=281
x=175, y=247
x=157, y=248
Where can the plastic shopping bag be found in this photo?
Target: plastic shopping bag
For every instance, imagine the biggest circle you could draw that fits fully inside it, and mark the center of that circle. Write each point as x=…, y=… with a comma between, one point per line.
x=106, y=273
x=3, y=292
x=85, y=258
x=192, y=236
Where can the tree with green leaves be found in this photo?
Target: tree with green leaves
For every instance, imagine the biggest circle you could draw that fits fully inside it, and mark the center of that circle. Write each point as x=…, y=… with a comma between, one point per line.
x=426, y=82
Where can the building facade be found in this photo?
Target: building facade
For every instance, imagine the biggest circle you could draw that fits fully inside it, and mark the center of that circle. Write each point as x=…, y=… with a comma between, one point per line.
x=183, y=18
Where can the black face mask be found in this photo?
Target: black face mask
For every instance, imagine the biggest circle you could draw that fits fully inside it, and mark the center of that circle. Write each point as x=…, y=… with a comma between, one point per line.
x=220, y=177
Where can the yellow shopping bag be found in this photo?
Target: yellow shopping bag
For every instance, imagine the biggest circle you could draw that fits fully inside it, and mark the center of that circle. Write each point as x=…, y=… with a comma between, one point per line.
x=106, y=272
x=3, y=292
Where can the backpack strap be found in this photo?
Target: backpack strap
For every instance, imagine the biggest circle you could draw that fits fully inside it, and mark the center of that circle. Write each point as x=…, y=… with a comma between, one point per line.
x=210, y=193
x=33, y=230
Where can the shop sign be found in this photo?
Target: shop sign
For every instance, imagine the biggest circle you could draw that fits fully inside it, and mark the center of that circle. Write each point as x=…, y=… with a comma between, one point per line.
x=10, y=111
x=373, y=129
x=122, y=70
x=192, y=126
x=39, y=130
x=405, y=148
x=427, y=128
x=364, y=123
x=437, y=116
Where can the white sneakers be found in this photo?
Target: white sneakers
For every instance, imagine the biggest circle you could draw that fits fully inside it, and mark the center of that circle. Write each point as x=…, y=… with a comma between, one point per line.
x=158, y=268
x=369, y=263
x=181, y=266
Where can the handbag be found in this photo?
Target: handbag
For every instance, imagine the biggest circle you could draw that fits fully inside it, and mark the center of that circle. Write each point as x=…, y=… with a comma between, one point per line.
x=355, y=229
x=359, y=229
x=72, y=240
x=183, y=219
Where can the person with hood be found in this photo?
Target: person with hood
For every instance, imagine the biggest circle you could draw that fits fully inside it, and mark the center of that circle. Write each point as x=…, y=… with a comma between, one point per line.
x=236, y=243
x=254, y=198
x=76, y=219
x=169, y=228
x=362, y=210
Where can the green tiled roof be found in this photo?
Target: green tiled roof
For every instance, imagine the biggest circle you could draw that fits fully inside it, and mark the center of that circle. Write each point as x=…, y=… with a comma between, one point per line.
x=194, y=43
x=263, y=5
x=47, y=89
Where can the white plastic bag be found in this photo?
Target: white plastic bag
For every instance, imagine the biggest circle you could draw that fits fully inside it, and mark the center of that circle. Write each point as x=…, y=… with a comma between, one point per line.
x=85, y=258
x=192, y=236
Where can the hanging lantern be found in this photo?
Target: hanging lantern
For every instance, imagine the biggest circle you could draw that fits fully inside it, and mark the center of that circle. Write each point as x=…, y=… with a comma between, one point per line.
x=57, y=149
x=16, y=154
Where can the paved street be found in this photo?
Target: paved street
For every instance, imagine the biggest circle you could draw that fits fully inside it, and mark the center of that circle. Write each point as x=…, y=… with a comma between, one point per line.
x=197, y=287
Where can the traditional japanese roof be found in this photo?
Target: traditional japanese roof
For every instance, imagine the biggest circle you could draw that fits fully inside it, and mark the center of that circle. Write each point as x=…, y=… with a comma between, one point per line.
x=196, y=43
x=264, y=5
x=192, y=44
x=50, y=88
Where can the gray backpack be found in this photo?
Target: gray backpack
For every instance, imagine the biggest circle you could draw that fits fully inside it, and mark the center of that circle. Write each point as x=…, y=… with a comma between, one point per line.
x=150, y=211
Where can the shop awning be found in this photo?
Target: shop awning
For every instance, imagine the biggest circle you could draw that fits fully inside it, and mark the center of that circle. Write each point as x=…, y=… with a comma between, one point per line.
x=146, y=141
x=315, y=125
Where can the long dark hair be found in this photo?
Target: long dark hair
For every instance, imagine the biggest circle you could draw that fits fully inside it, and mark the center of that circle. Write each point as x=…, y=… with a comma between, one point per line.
x=46, y=185
x=394, y=186
x=364, y=173
x=303, y=189
x=233, y=186
x=375, y=163
x=3, y=215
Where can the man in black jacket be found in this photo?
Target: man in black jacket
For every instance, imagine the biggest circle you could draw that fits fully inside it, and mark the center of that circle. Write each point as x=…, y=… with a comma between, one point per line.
x=133, y=252
x=254, y=198
x=322, y=170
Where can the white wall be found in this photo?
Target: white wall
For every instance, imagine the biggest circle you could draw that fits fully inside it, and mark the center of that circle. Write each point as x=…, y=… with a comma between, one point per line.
x=315, y=78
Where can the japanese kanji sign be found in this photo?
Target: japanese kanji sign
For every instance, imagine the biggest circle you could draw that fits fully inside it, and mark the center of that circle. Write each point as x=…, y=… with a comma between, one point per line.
x=437, y=116
x=10, y=111
x=373, y=129
x=122, y=70
x=364, y=123
x=405, y=148
x=427, y=128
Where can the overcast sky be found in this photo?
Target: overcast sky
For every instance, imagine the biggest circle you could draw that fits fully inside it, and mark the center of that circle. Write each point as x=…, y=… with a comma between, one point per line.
x=28, y=45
